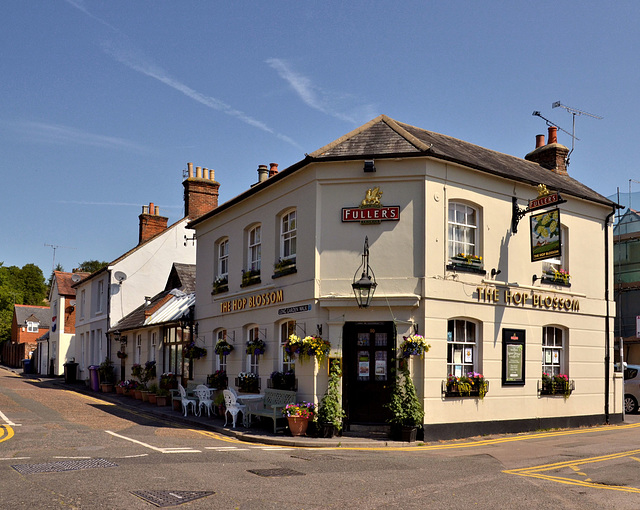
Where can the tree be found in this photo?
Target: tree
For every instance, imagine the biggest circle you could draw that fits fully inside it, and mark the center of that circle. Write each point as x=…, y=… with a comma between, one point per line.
x=22, y=286
x=91, y=266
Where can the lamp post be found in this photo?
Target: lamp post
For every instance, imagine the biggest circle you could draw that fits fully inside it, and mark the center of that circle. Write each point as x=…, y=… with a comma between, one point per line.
x=364, y=288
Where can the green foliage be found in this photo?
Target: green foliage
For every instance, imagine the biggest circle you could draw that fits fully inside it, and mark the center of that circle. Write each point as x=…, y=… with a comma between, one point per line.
x=330, y=410
x=404, y=405
x=22, y=286
x=91, y=266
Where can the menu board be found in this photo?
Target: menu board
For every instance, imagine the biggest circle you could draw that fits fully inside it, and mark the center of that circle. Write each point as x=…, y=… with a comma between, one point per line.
x=513, y=357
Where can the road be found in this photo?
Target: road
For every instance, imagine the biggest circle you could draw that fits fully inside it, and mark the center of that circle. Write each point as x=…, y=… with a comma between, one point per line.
x=65, y=450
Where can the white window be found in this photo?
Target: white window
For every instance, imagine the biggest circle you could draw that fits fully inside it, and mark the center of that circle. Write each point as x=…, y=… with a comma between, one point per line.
x=138, y=351
x=255, y=249
x=286, y=329
x=32, y=327
x=82, y=303
x=462, y=347
x=99, y=296
x=288, y=236
x=252, y=359
x=223, y=259
x=463, y=230
x=221, y=361
x=552, y=351
x=153, y=347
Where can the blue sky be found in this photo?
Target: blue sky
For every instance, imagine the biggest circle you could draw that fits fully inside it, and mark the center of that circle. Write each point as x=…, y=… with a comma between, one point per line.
x=104, y=103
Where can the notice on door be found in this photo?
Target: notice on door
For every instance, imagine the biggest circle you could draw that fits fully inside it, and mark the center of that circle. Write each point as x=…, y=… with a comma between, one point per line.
x=363, y=366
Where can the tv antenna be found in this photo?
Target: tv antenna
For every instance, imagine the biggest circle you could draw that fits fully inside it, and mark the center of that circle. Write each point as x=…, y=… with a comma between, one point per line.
x=574, y=112
x=55, y=247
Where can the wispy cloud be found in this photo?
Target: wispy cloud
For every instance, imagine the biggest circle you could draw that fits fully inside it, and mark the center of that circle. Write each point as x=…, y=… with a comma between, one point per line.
x=136, y=60
x=341, y=106
x=79, y=4
x=58, y=134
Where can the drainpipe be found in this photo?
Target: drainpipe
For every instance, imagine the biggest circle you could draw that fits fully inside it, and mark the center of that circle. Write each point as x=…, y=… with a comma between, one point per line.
x=607, y=344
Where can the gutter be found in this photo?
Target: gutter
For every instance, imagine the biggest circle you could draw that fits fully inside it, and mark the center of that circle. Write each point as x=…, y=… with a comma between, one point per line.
x=607, y=342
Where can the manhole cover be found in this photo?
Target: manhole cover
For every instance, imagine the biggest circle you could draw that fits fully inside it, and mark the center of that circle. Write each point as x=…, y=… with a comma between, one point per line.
x=275, y=472
x=66, y=465
x=170, y=498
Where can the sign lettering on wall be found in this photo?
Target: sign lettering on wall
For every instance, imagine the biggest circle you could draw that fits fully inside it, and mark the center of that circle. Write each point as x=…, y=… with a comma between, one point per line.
x=253, y=301
x=512, y=297
x=371, y=211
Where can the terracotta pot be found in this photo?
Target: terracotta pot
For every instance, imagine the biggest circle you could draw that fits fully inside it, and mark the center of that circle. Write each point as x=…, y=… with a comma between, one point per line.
x=298, y=425
x=152, y=398
x=106, y=388
x=137, y=394
x=119, y=390
x=161, y=401
x=145, y=396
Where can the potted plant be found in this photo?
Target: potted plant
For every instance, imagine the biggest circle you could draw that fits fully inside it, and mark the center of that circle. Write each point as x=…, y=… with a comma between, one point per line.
x=298, y=416
x=471, y=384
x=153, y=390
x=250, y=277
x=248, y=382
x=406, y=409
x=223, y=348
x=168, y=381
x=162, y=397
x=220, y=284
x=307, y=347
x=192, y=351
x=218, y=403
x=256, y=346
x=330, y=412
x=284, y=267
x=105, y=371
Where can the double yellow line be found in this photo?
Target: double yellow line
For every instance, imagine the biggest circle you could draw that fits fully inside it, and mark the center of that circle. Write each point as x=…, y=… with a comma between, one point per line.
x=539, y=472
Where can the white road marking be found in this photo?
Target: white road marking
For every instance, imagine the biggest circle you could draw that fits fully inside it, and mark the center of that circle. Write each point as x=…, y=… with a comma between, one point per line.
x=154, y=448
x=55, y=457
x=225, y=448
x=15, y=458
x=135, y=456
x=8, y=421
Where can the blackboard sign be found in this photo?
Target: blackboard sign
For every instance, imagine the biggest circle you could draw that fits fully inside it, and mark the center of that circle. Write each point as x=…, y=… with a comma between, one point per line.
x=513, y=357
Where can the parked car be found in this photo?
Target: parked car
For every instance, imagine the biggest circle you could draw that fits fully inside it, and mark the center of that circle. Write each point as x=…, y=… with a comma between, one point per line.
x=631, y=388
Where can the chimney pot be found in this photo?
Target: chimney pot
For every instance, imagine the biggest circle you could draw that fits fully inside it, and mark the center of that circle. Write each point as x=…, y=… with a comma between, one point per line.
x=211, y=174
x=263, y=173
x=539, y=141
x=273, y=170
x=190, y=169
x=553, y=134
x=199, y=172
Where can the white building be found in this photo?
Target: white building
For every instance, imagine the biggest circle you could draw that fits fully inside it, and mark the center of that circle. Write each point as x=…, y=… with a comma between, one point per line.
x=421, y=199
x=107, y=295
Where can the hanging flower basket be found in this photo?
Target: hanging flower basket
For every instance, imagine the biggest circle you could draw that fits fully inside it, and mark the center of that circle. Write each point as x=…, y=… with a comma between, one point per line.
x=192, y=351
x=256, y=346
x=223, y=348
x=307, y=347
x=413, y=345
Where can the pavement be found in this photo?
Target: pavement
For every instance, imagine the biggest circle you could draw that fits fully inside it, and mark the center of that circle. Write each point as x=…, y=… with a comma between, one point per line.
x=261, y=433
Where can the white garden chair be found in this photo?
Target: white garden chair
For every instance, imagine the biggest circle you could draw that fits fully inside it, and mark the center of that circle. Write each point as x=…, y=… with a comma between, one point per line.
x=203, y=394
x=187, y=401
x=232, y=407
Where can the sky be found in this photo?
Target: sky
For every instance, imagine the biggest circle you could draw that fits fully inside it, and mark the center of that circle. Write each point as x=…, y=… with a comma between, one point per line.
x=103, y=103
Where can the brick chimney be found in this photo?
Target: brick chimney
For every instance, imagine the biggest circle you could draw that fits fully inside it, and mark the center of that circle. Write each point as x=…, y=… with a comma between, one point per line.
x=200, y=192
x=552, y=156
x=151, y=223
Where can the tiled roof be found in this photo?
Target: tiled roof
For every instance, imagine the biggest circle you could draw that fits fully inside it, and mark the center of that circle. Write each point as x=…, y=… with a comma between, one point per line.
x=384, y=137
x=40, y=314
x=182, y=277
x=65, y=282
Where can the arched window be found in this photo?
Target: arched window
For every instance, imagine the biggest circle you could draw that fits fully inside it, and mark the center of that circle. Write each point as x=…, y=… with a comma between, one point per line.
x=553, y=351
x=253, y=333
x=221, y=361
x=462, y=347
x=287, y=363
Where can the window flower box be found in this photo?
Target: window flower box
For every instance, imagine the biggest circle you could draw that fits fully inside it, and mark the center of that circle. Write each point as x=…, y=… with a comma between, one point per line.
x=284, y=267
x=556, y=277
x=248, y=382
x=466, y=263
x=283, y=381
x=220, y=285
x=471, y=385
x=250, y=277
x=556, y=385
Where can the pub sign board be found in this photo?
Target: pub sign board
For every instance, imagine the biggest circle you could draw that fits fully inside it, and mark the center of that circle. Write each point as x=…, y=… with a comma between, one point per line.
x=545, y=235
x=513, y=357
x=371, y=211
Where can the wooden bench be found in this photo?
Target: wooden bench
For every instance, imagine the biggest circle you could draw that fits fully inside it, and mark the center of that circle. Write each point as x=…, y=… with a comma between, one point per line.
x=273, y=404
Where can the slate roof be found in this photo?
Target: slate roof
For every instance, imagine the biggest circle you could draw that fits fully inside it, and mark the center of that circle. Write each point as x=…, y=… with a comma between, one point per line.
x=384, y=137
x=40, y=314
x=182, y=277
x=65, y=282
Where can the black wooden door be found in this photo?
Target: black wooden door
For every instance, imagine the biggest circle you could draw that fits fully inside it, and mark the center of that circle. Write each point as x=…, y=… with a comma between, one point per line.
x=368, y=358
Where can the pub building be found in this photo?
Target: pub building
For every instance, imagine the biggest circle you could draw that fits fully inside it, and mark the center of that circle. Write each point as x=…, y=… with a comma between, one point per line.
x=502, y=264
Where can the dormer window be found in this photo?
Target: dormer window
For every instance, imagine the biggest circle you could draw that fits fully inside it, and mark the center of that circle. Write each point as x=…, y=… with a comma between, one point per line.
x=32, y=327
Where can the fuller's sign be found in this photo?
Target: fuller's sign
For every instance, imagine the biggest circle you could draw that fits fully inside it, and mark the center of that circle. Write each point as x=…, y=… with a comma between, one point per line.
x=371, y=211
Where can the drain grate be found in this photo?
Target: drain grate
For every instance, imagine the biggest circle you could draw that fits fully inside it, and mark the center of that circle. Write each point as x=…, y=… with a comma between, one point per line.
x=66, y=465
x=170, y=498
x=275, y=472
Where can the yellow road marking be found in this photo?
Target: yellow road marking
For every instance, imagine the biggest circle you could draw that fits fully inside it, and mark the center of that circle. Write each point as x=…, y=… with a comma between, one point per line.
x=537, y=472
x=6, y=432
x=92, y=399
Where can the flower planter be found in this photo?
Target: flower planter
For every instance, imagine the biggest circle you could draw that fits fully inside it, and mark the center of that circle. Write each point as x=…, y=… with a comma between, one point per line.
x=161, y=401
x=556, y=388
x=145, y=396
x=106, y=388
x=119, y=390
x=327, y=430
x=298, y=425
x=152, y=398
x=137, y=394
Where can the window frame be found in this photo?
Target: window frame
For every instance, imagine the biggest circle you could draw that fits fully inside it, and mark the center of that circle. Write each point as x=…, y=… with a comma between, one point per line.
x=288, y=234
x=222, y=262
x=286, y=362
x=465, y=367
x=559, y=367
x=221, y=361
x=254, y=248
x=455, y=247
x=252, y=361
